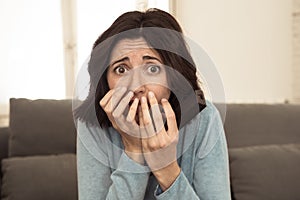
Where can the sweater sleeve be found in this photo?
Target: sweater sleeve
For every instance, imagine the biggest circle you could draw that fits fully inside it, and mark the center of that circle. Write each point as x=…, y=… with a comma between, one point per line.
x=211, y=179
x=211, y=168
x=211, y=175
x=97, y=181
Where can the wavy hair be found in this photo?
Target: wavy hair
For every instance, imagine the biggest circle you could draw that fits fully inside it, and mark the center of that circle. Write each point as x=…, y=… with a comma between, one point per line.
x=132, y=25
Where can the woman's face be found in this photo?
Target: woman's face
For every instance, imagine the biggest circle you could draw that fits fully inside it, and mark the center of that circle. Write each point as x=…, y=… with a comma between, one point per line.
x=135, y=65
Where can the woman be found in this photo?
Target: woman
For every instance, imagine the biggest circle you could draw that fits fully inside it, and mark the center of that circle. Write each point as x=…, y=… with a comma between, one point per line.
x=145, y=130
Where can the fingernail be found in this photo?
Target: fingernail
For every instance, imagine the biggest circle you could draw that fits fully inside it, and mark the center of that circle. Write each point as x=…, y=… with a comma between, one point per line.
x=164, y=100
x=151, y=94
x=130, y=93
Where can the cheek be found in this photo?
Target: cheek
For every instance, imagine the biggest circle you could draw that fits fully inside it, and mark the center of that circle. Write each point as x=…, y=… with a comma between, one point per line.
x=167, y=93
x=111, y=80
x=160, y=92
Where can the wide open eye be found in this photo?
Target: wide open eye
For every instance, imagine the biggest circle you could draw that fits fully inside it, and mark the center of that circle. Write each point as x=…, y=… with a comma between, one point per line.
x=120, y=70
x=153, y=69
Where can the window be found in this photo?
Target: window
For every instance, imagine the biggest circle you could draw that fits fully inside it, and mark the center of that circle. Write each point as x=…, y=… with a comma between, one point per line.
x=31, y=54
x=94, y=17
x=32, y=43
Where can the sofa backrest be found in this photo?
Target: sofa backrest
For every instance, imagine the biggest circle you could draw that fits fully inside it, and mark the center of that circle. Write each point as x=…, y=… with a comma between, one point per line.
x=41, y=127
x=262, y=124
x=40, y=160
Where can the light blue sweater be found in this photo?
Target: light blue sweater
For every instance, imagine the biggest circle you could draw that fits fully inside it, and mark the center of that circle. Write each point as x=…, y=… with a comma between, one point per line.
x=106, y=172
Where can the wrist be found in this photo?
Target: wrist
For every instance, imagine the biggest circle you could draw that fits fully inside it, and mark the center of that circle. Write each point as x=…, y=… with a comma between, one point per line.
x=136, y=156
x=133, y=148
x=166, y=176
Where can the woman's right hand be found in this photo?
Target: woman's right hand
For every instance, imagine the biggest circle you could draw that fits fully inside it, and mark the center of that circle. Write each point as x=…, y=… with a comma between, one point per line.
x=114, y=106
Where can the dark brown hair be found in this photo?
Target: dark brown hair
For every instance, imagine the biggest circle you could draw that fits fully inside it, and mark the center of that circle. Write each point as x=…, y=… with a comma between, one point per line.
x=132, y=25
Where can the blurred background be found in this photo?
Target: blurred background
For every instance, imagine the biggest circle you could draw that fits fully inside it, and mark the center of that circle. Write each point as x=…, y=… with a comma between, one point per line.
x=255, y=44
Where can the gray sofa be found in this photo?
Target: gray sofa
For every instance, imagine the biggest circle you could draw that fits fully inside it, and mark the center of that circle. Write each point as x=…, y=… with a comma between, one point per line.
x=38, y=150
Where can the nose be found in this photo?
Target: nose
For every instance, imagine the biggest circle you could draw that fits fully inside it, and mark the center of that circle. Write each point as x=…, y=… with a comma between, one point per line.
x=136, y=83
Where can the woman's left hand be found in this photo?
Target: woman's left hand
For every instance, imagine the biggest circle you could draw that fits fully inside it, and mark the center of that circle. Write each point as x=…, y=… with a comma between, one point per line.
x=159, y=144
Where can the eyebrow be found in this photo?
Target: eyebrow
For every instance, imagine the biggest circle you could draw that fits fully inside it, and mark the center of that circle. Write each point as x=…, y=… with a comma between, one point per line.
x=151, y=58
x=120, y=60
x=144, y=58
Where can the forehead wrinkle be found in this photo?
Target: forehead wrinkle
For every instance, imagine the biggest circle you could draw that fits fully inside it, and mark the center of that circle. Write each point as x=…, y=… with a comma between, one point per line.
x=128, y=46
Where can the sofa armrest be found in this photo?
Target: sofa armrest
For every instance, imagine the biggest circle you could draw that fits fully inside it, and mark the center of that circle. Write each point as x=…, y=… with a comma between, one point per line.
x=4, y=134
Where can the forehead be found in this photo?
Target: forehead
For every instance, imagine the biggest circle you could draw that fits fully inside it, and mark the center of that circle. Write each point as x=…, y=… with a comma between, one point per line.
x=127, y=46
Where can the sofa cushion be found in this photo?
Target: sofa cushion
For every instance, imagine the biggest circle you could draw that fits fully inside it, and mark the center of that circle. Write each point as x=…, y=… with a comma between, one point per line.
x=40, y=127
x=262, y=124
x=40, y=177
x=265, y=172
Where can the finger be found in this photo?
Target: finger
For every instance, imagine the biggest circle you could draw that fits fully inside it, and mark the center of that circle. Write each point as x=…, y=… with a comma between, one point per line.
x=122, y=105
x=114, y=100
x=156, y=114
x=143, y=132
x=147, y=118
x=170, y=115
x=162, y=139
x=132, y=110
x=107, y=97
x=148, y=142
x=141, y=117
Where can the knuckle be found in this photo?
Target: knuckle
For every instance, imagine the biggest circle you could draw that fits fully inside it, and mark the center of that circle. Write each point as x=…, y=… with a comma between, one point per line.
x=108, y=110
x=171, y=116
x=163, y=144
x=152, y=146
x=174, y=140
x=102, y=103
x=115, y=115
x=132, y=109
x=129, y=119
x=147, y=122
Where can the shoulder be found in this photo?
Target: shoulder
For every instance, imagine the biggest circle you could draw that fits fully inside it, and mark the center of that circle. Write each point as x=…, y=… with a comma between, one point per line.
x=207, y=127
x=84, y=129
x=103, y=144
x=91, y=136
x=208, y=116
x=210, y=109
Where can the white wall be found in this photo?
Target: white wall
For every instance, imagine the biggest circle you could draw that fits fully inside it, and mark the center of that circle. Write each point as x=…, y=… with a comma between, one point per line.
x=249, y=40
x=296, y=51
